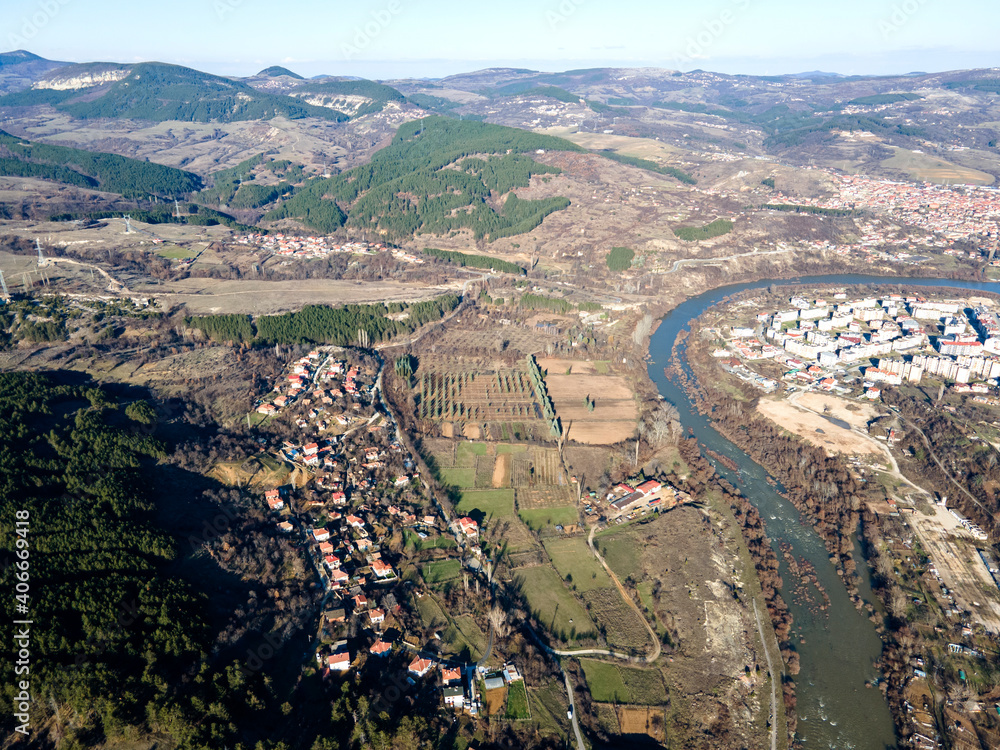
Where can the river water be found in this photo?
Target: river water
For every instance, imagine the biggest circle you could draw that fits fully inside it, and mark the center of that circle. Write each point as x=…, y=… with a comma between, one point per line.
x=837, y=647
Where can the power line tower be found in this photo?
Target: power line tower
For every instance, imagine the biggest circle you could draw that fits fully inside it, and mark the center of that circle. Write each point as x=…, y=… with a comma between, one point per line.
x=177, y=208
x=3, y=284
x=41, y=258
x=128, y=224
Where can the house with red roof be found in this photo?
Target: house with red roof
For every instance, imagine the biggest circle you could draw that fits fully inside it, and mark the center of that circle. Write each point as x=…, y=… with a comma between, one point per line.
x=450, y=675
x=339, y=662
x=468, y=526
x=649, y=487
x=376, y=616
x=320, y=535
x=380, y=648
x=420, y=666
x=381, y=569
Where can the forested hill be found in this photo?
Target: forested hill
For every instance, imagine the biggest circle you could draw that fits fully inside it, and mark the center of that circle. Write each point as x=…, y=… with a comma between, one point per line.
x=331, y=93
x=159, y=92
x=72, y=468
x=434, y=177
x=109, y=172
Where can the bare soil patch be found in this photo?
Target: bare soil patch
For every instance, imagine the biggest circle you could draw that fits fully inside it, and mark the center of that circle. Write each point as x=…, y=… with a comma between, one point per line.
x=501, y=471
x=815, y=429
x=615, y=411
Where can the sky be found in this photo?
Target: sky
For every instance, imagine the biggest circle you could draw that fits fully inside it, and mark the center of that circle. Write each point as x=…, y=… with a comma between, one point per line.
x=434, y=38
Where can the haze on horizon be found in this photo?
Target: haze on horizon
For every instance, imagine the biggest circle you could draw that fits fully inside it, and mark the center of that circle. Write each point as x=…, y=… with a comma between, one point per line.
x=421, y=38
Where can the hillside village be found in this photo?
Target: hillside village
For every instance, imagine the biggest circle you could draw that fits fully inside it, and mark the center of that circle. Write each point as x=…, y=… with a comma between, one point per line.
x=363, y=512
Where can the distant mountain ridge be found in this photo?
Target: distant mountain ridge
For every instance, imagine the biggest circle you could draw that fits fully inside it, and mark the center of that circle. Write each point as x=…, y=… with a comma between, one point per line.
x=159, y=92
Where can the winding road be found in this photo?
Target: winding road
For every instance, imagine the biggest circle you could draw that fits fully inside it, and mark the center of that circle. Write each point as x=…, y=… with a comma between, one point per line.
x=679, y=263
x=657, y=647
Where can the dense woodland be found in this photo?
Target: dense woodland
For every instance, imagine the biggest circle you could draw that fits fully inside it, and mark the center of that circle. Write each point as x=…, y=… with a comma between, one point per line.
x=406, y=189
x=111, y=173
x=476, y=261
x=320, y=324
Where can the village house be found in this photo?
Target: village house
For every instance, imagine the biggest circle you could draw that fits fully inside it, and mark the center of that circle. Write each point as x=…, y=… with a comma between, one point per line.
x=339, y=662
x=420, y=666
x=380, y=648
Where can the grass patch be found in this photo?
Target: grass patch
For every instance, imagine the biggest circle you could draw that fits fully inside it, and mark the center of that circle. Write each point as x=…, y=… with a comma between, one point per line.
x=575, y=563
x=466, y=453
x=458, y=477
x=619, y=552
x=466, y=638
x=431, y=613
x=602, y=367
x=517, y=701
x=440, y=571
x=610, y=683
x=541, y=518
x=486, y=503
x=511, y=448
x=175, y=252
x=717, y=228
x=413, y=541
x=604, y=681
x=553, y=604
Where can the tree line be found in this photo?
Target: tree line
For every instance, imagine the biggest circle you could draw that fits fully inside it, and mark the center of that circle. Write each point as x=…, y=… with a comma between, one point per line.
x=321, y=324
x=476, y=261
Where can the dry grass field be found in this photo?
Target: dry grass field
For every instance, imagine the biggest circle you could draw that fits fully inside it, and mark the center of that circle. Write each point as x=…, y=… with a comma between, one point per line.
x=269, y=297
x=932, y=169
x=615, y=411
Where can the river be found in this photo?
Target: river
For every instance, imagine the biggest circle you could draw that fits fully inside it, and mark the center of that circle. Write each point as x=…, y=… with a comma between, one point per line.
x=837, y=647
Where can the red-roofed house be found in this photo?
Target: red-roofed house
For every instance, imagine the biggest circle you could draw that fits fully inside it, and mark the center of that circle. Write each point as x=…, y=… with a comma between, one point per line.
x=339, y=576
x=449, y=675
x=468, y=526
x=326, y=548
x=331, y=561
x=381, y=569
x=376, y=616
x=338, y=662
x=275, y=503
x=420, y=666
x=320, y=535
x=360, y=602
x=311, y=449
x=355, y=522
x=381, y=648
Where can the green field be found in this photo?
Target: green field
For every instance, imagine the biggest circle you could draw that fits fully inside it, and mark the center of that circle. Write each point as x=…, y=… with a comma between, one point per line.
x=495, y=503
x=517, y=701
x=440, y=571
x=464, y=636
x=610, y=683
x=176, y=253
x=541, y=518
x=575, y=563
x=553, y=604
x=604, y=681
x=430, y=612
x=618, y=551
x=466, y=453
x=511, y=448
x=435, y=542
x=458, y=477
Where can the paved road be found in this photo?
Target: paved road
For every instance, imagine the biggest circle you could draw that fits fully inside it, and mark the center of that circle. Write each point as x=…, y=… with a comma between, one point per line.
x=774, y=682
x=572, y=708
x=657, y=647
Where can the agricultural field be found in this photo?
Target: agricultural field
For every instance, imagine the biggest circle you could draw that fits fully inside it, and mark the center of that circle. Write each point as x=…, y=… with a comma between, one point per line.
x=505, y=395
x=414, y=542
x=594, y=408
x=517, y=701
x=575, y=563
x=623, y=628
x=611, y=683
x=554, y=604
x=486, y=504
x=519, y=338
x=541, y=519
